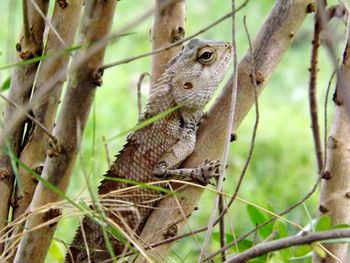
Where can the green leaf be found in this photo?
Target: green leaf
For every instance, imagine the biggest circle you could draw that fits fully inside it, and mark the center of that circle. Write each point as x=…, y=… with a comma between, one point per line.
x=244, y=245
x=257, y=218
x=281, y=228
x=340, y=226
x=282, y=232
x=323, y=223
x=319, y=251
x=55, y=251
x=6, y=84
x=302, y=250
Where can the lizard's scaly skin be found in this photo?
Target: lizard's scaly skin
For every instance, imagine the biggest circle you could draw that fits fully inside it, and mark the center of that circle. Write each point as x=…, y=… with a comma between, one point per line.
x=159, y=148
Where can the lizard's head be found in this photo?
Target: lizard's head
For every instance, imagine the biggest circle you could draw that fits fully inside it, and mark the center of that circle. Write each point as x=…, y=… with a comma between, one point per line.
x=198, y=70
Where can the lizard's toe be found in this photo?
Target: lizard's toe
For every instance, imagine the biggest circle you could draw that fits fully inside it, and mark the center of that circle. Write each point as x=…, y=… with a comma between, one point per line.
x=160, y=169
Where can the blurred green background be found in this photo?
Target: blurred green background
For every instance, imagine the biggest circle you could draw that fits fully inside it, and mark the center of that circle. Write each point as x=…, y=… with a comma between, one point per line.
x=283, y=167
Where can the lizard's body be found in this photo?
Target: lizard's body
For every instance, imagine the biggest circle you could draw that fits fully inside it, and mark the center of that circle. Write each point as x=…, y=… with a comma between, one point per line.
x=159, y=148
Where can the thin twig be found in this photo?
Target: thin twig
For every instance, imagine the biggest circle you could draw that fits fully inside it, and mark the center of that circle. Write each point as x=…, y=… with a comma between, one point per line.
x=312, y=92
x=26, y=29
x=325, y=138
x=229, y=128
x=307, y=238
x=222, y=231
x=177, y=43
x=105, y=144
x=289, y=209
x=29, y=116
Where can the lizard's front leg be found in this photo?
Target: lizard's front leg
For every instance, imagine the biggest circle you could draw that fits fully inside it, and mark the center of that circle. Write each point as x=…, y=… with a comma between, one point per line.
x=166, y=167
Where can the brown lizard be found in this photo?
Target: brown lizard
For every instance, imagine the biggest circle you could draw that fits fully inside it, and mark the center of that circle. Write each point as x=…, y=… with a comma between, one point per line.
x=156, y=151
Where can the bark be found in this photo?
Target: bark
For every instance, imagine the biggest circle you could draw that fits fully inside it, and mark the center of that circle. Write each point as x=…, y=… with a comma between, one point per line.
x=29, y=45
x=83, y=79
x=34, y=152
x=335, y=195
x=269, y=46
x=168, y=27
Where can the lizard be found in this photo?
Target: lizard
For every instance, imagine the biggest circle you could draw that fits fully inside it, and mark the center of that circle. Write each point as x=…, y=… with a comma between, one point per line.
x=156, y=151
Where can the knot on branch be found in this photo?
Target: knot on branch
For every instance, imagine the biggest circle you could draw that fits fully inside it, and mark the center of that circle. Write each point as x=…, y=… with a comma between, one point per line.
x=51, y=214
x=311, y=8
x=62, y=3
x=259, y=78
x=323, y=209
x=170, y=232
x=97, y=77
x=5, y=173
x=177, y=34
x=326, y=175
x=54, y=149
x=15, y=200
x=26, y=53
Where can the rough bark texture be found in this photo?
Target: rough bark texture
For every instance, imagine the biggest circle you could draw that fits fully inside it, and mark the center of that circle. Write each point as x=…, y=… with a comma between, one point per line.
x=96, y=24
x=34, y=152
x=168, y=27
x=269, y=46
x=21, y=87
x=335, y=186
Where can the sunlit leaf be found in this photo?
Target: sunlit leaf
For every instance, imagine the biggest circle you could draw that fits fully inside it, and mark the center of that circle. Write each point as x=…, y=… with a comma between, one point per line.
x=56, y=251
x=6, y=84
x=319, y=251
x=302, y=250
x=323, y=223
x=340, y=226
x=257, y=218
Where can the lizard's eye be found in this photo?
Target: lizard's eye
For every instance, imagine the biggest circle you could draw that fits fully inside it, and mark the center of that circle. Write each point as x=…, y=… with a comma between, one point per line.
x=206, y=55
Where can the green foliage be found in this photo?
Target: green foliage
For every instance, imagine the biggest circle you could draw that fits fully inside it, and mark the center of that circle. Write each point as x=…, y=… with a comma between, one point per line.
x=6, y=84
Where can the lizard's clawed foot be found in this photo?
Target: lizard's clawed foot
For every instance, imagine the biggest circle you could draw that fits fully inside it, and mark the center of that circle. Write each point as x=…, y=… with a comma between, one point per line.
x=206, y=172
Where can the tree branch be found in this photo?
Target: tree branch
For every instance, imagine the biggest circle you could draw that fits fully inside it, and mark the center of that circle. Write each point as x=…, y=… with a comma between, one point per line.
x=264, y=248
x=21, y=86
x=97, y=21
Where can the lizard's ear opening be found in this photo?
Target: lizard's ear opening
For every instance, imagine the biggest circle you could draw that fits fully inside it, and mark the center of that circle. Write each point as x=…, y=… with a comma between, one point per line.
x=188, y=85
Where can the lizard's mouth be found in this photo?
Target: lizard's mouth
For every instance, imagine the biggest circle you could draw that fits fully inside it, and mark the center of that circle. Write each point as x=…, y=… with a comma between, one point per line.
x=224, y=59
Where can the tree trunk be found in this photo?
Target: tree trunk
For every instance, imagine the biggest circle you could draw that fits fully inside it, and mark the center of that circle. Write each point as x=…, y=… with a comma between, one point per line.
x=30, y=45
x=335, y=186
x=83, y=78
x=168, y=27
